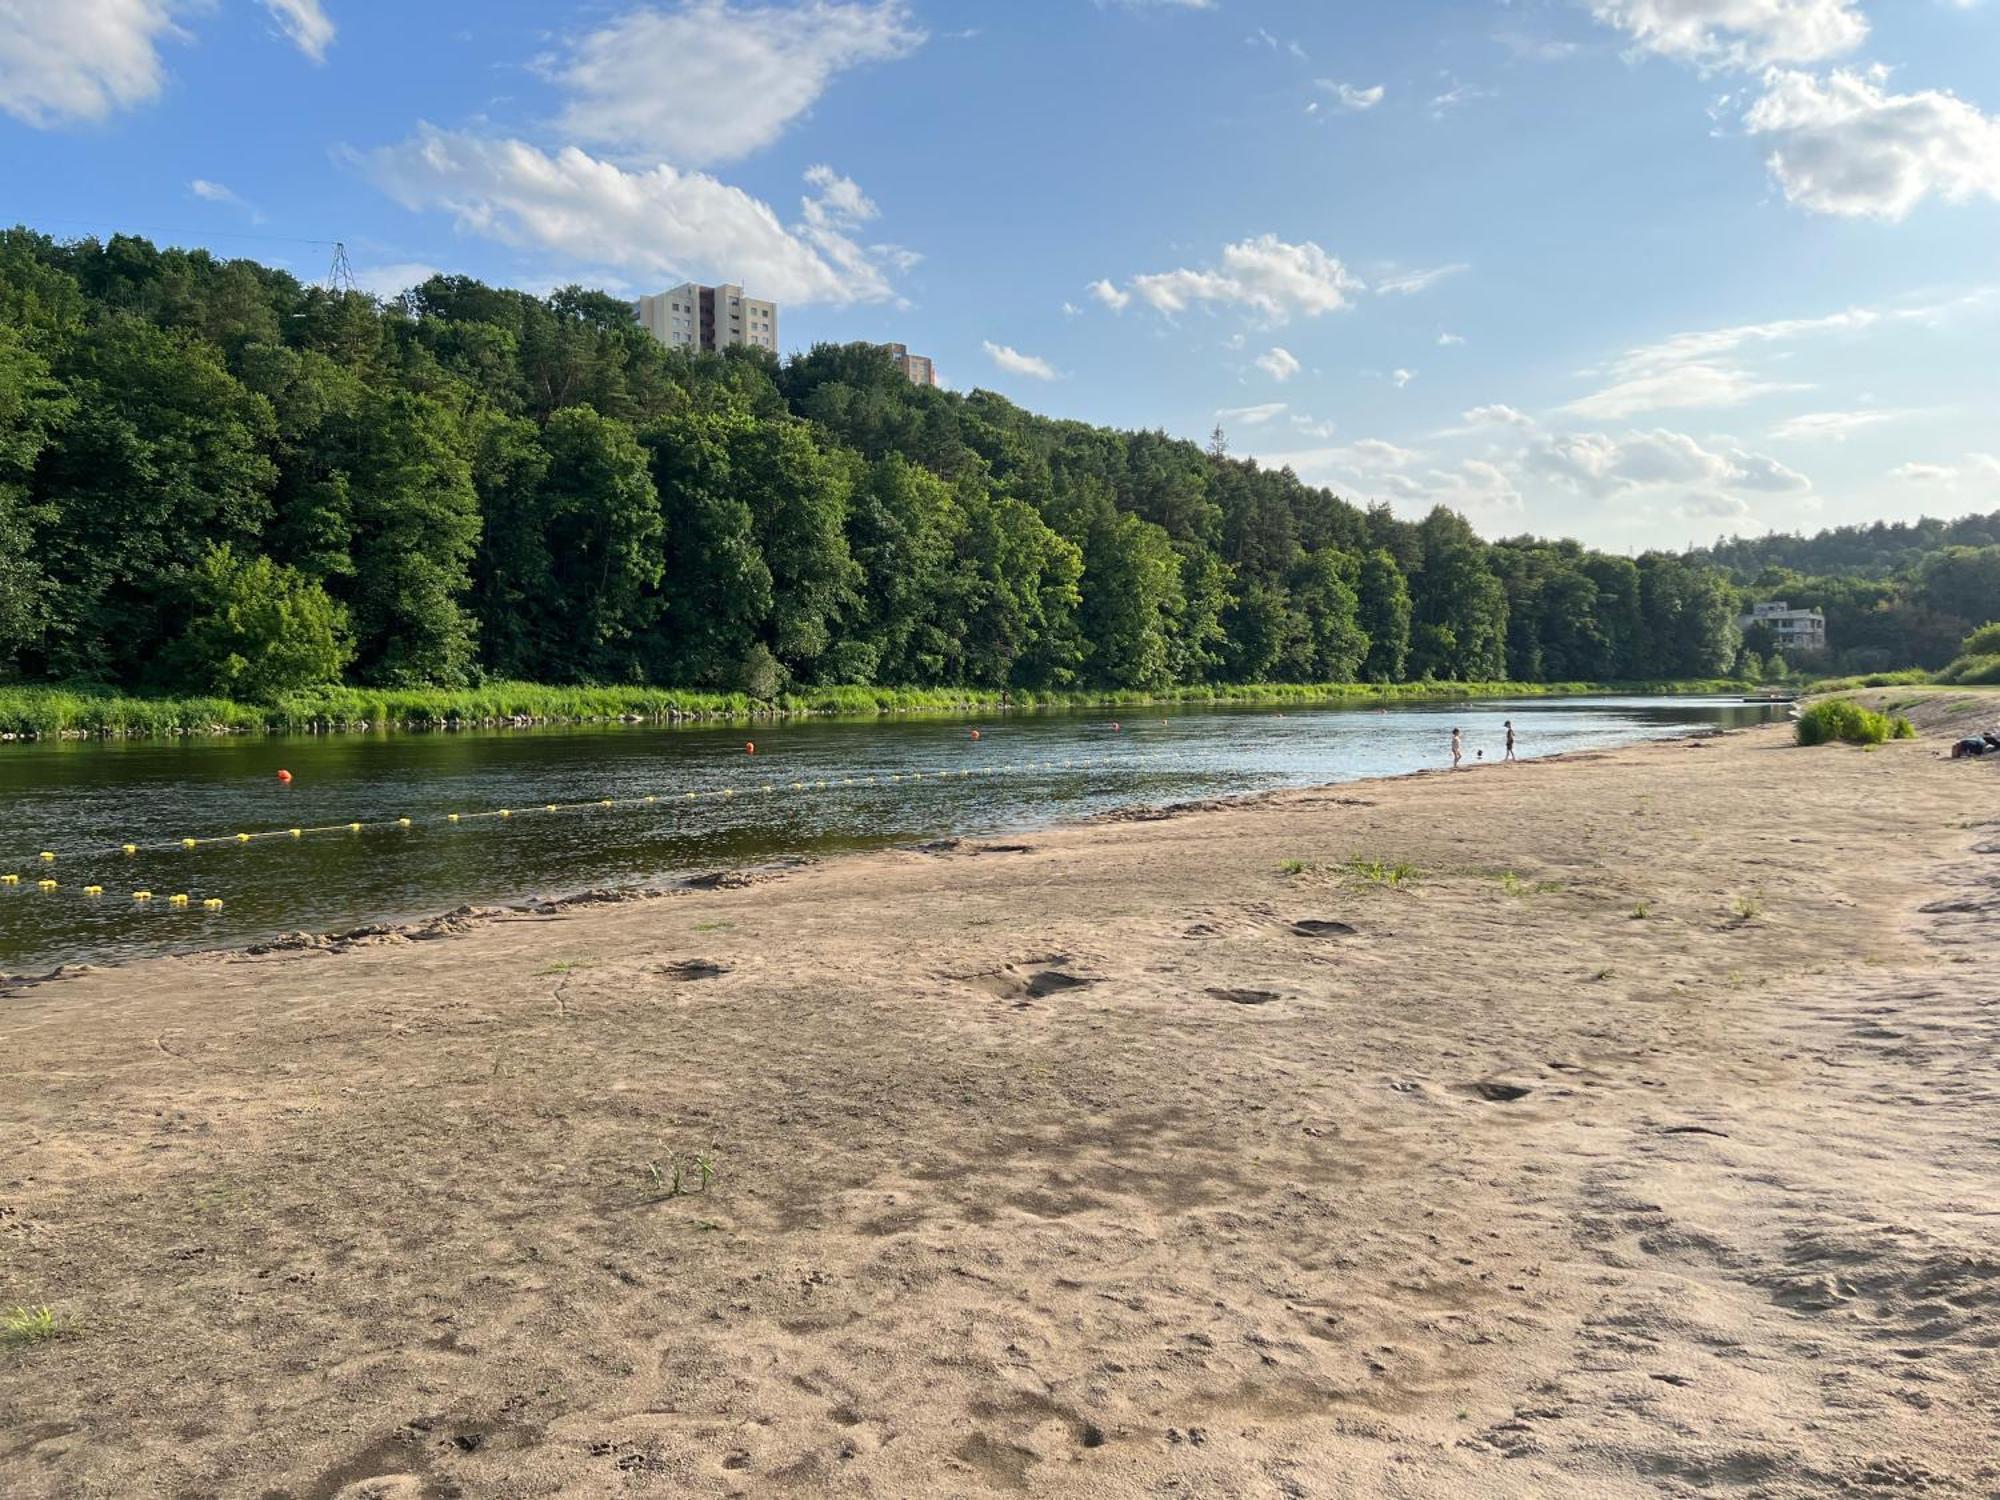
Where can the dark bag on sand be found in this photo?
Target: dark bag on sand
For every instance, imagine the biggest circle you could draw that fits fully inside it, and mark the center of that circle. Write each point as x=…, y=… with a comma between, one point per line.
x=1970, y=746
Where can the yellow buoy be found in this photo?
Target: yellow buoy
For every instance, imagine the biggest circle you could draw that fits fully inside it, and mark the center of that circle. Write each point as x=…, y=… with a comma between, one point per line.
x=551, y=807
x=131, y=848
x=605, y=803
x=10, y=880
x=402, y=822
x=93, y=890
x=47, y=858
x=178, y=900
x=652, y=799
x=242, y=838
x=189, y=843
x=142, y=895
x=48, y=885
x=354, y=828
x=505, y=813
x=213, y=904
x=451, y=817
x=297, y=833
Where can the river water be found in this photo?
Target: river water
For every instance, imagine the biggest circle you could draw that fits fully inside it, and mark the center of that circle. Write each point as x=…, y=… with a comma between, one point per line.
x=84, y=801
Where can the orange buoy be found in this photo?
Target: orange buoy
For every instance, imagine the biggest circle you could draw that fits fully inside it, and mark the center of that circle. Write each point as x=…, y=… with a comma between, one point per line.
x=285, y=778
x=750, y=747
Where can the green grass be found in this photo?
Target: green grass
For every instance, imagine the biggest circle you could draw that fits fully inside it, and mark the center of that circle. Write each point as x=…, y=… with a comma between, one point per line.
x=25, y=1326
x=1749, y=908
x=1641, y=910
x=1514, y=885
x=1380, y=872
x=1297, y=867
x=35, y=711
x=1842, y=719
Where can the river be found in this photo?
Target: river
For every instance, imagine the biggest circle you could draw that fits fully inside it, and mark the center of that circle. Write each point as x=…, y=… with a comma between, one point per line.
x=84, y=801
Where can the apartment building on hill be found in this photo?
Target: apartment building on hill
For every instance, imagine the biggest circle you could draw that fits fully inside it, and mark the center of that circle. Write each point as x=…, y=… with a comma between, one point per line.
x=707, y=318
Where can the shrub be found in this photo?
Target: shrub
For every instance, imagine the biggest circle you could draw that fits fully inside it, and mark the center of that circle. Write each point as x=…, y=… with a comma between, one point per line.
x=1972, y=670
x=1985, y=641
x=257, y=630
x=1845, y=720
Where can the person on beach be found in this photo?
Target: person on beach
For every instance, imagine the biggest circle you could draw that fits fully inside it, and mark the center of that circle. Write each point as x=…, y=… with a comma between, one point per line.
x=1508, y=725
x=1457, y=749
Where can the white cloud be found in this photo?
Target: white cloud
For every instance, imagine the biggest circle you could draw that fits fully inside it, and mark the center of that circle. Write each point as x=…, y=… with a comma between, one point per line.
x=1109, y=295
x=1982, y=469
x=662, y=223
x=1702, y=369
x=1845, y=145
x=1402, y=378
x=706, y=81
x=1280, y=364
x=1738, y=33
x=1602, y=466
x=1832, y=426
x=308, y=26
x=1409, y=283
x=212, y=192
x=1497, y=415
x=1253, y=416
x=1014, y=362
x=1071, y=310
x=1450, y=340
x=1677, y=387
x=1352, y=99
x=1266, y=276
x=69, y=61
x=1455, y=95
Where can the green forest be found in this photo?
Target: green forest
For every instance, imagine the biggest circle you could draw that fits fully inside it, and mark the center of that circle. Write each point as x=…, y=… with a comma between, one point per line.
x=216, y=479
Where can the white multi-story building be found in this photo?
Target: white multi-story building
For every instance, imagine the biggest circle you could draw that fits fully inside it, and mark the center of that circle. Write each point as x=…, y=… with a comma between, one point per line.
x=695, y=317
x=1794, y=630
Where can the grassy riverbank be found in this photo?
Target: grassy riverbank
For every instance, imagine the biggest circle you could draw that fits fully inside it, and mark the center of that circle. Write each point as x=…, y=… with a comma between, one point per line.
x=37, y=712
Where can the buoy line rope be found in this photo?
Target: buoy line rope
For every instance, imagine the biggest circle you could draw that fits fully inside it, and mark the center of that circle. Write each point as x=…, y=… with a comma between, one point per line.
x=48, y=859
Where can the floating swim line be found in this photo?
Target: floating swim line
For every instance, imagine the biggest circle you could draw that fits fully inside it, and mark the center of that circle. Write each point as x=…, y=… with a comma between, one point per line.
x=758, y=791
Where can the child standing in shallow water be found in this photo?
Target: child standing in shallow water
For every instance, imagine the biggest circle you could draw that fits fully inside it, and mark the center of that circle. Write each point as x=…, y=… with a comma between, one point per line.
x=1457, y=749
x=1509, y=726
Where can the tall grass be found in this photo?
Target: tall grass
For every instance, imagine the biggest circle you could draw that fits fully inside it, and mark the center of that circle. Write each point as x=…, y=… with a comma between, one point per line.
x=1847, y=721
x=34, y=712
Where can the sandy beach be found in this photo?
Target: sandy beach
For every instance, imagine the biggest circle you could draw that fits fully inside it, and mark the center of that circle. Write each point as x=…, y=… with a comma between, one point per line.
x=1621, y=1126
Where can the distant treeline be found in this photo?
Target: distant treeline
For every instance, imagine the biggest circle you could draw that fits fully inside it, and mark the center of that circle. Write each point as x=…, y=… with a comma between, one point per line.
x=214, y=479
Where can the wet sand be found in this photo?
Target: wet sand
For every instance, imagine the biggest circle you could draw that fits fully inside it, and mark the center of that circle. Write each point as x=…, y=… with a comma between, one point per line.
x=1642, y=1141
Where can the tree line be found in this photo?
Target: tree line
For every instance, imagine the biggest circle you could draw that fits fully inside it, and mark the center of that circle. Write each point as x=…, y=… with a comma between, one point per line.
x=215, y=478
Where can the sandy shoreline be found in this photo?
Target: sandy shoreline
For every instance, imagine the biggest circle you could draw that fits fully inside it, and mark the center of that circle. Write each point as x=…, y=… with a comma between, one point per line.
x=1642, y=1144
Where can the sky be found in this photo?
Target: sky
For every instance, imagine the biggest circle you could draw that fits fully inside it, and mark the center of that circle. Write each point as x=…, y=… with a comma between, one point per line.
x=1643, y=272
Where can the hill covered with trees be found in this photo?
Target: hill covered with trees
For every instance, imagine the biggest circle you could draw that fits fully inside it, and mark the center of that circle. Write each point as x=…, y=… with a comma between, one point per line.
x=215, y=478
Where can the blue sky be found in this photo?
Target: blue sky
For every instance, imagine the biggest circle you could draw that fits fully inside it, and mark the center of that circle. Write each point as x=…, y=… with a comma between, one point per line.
x=1641, y=271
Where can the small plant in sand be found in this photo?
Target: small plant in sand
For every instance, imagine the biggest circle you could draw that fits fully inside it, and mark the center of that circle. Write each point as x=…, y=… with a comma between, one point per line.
x=1641, y=910
x=712, y=926
x=562, y=966
x=24, y=1326
x=1381, y=872
x=673, y=1183
x=1603, y=974
x=1514, y=885
x=1749, y=908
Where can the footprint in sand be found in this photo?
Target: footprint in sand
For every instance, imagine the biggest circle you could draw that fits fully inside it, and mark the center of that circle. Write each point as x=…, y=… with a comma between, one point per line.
x=691, y=969
x=1247, y=997
x=1020, y=984
x=1317, y=927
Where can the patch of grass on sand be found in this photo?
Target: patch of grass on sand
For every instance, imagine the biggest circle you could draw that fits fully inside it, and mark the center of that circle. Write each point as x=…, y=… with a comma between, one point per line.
x=1381, y=872
x=1748, y=908
x=1514, y=885
x=712, y=926
x=562, y=966
x=26, y=1326
x=1298, y=867
x=1641, y=910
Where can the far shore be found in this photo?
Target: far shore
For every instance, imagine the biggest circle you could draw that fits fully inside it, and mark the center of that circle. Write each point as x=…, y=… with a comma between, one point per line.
x=28, y=714
x=1618, y=1124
